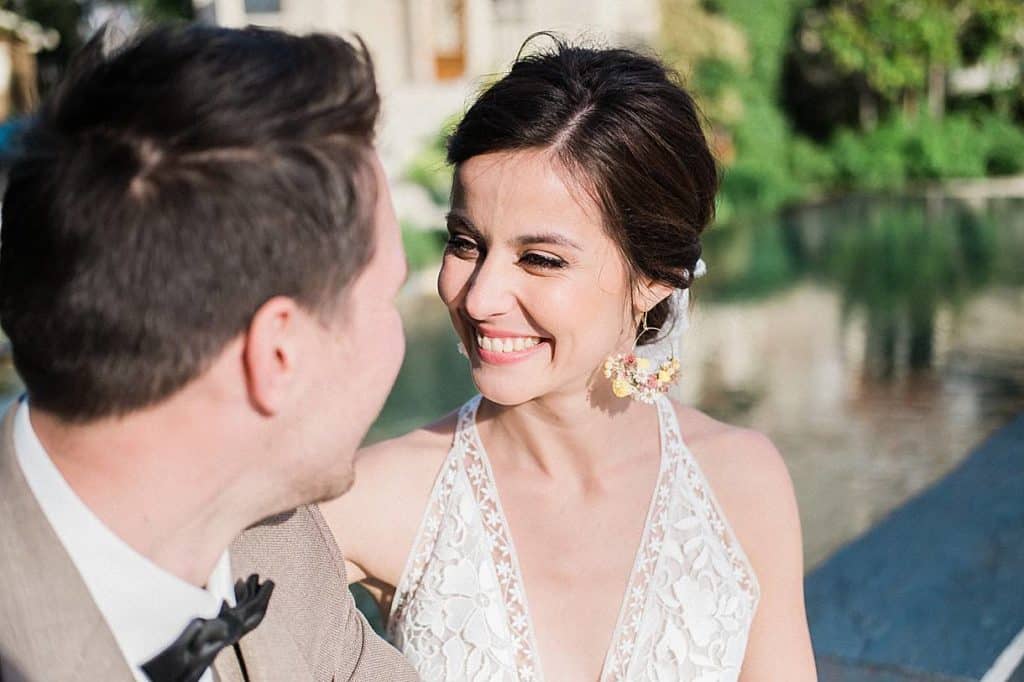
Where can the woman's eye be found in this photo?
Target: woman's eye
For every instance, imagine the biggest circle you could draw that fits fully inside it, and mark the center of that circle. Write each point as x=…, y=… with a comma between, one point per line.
x=542, y=261
x=460, y=246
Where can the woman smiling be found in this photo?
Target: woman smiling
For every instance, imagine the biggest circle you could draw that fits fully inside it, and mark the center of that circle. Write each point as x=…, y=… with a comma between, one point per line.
x=572, y=522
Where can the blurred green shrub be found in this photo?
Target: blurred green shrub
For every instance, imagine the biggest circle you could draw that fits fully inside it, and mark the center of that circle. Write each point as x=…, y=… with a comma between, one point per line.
x=1005, y=144
x=954, y=147
x=423, y=246
x=811, y=165
x=429, y=168
x=759, y=180
x=925, y=148
x=871, y=161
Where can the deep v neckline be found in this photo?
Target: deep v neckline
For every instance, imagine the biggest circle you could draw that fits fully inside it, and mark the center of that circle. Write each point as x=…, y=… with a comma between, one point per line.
x=506, y=560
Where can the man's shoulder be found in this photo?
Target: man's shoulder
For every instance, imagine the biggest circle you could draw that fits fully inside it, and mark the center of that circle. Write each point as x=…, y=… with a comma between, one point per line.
x=50, y=627
x=296, y=543
x=32, y=559
x=311, y=599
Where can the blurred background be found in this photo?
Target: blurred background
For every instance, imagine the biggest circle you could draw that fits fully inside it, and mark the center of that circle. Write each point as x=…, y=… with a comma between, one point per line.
x=864, y=304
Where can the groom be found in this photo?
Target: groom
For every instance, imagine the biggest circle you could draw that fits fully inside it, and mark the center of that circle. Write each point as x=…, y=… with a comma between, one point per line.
x=197, y=271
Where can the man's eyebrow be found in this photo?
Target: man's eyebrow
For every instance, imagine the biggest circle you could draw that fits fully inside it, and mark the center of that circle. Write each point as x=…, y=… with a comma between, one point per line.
x=546, y=238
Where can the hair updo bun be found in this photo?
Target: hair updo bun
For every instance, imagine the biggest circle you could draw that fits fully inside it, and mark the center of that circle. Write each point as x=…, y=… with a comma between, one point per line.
x=619, y=121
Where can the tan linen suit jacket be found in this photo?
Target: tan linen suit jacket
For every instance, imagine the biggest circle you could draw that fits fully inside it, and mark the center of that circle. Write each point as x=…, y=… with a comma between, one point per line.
x=52, y=631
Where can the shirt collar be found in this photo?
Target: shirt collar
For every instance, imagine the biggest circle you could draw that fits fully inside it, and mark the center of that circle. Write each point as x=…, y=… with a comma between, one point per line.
x=145, y=606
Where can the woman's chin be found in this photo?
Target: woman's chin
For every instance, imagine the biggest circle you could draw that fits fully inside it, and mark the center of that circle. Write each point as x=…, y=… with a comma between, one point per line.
x=506, y=392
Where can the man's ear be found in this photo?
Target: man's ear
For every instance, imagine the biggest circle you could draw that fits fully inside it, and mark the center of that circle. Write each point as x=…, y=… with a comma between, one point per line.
x=648, y=293
x=271, y=353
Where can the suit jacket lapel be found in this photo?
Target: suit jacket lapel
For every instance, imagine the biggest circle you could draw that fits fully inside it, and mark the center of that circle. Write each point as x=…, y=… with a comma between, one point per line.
x=50, y=628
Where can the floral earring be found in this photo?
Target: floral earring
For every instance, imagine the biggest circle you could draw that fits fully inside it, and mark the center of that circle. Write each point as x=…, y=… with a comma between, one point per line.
x=631, y=375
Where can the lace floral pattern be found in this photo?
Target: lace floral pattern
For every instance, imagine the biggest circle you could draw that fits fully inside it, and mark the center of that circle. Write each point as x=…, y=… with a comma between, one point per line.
x=620, y=651
x=450, y=615
x=696, y=617
x=460, y=610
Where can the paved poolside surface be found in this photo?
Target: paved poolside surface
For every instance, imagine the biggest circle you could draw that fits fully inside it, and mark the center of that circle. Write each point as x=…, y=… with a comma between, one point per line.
x=936, y=590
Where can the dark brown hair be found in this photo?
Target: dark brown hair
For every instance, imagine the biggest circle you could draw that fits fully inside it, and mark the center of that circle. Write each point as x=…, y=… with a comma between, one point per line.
x=620, y=121
x=166, y=192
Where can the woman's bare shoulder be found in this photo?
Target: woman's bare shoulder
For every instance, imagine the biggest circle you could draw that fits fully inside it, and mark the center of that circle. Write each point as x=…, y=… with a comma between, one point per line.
x=744, y=455
x=750, y=479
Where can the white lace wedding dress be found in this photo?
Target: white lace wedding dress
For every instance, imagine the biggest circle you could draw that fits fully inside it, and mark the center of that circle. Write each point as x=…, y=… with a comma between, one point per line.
x=460, y=609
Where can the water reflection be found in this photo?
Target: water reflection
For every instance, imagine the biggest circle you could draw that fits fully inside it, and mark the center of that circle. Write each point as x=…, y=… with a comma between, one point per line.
x=875, y=341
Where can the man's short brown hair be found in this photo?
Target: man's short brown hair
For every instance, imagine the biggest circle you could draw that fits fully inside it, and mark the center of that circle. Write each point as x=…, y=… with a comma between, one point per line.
x=166, y=191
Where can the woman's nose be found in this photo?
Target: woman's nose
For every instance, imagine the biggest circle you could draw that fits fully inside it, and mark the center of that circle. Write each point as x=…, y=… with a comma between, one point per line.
x=489, y=290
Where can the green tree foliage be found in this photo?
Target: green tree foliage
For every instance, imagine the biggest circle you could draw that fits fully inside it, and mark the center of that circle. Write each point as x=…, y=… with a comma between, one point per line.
x=892, y=43
x=992, y=30
x=899, y=52
x=752, y=141
x=884, y=63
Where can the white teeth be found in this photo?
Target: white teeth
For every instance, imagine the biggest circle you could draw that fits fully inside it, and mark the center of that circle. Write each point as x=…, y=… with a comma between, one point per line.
x=506, y=344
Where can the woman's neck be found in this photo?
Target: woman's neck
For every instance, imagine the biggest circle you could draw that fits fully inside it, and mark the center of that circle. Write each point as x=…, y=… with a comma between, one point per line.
x=569, y=437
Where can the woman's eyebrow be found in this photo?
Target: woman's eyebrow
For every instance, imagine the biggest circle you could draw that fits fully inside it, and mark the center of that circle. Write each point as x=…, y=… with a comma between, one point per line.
x=545, y=238
x=459, y=219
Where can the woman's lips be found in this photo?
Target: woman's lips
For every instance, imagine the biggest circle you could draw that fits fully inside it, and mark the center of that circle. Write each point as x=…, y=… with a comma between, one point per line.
x=502, y=348
x=493, y=358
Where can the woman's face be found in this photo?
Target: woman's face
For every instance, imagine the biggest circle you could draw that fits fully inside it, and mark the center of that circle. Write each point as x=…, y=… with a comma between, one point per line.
x=536, y=289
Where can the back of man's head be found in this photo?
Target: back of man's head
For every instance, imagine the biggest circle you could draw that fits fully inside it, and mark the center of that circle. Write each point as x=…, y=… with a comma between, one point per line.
x=169, y=189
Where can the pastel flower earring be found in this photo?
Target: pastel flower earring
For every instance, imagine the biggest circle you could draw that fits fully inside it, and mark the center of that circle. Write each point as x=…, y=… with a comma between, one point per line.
x=633, y=377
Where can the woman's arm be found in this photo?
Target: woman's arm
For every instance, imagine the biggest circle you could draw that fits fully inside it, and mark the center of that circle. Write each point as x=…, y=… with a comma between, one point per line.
x=376, y=521
x=768, y=528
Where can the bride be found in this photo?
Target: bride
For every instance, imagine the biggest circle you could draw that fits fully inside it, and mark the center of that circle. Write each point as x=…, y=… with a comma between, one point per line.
x=572, y=522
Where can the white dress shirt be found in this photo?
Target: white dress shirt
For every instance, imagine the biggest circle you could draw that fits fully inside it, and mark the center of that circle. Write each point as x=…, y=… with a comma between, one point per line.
x=145, y=606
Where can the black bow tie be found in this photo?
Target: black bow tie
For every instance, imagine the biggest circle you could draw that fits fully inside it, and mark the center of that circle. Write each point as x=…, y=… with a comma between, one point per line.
x=192, y=653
